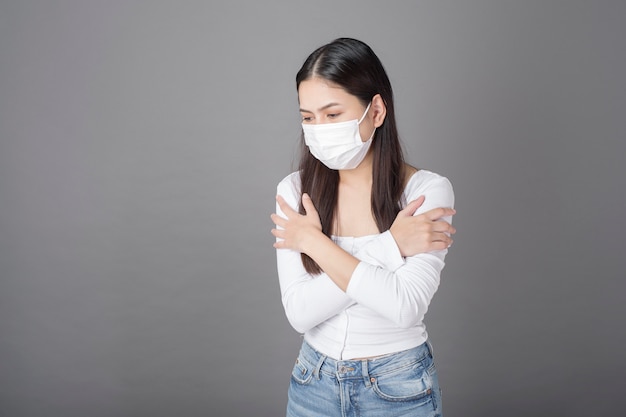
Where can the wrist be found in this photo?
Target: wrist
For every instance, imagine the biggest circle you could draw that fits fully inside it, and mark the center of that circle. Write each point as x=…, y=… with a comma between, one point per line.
x=397, y=242
x=313, y=241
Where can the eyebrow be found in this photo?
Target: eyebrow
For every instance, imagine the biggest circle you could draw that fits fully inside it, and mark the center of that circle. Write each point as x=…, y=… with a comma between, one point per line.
x=321, y=108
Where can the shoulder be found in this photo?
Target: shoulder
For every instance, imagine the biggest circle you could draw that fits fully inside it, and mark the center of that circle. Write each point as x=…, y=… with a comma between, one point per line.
x=289, y=187
x=436, y=188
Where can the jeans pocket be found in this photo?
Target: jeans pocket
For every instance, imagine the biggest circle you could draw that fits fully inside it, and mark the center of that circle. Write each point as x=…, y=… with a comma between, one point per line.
x=410, y=384
x=302, y=372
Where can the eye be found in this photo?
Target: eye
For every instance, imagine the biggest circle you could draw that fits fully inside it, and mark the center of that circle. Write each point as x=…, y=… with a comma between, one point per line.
x=333, y=115
x=307, y=119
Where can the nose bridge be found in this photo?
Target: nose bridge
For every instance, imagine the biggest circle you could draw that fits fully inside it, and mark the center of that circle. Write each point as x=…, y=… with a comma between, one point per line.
x=320, y=118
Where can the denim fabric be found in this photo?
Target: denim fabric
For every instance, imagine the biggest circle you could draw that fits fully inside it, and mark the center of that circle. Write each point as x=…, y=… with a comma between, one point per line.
x=399, y=384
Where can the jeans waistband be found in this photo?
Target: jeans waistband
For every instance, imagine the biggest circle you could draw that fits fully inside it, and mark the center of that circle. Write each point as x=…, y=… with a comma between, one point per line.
x=367, y=369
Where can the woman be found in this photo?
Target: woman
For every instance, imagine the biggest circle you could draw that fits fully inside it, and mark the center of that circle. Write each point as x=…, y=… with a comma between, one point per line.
x=357, y=265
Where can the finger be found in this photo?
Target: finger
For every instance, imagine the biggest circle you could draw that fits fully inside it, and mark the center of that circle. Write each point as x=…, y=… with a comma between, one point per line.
x=280, y=244
x=278, y=221
x=440, y=245
x=280, y=234
x=286, y=208
x=439, y=212
x=307, y=203
x=440, y=237
x=443, y=226
x=412, y=207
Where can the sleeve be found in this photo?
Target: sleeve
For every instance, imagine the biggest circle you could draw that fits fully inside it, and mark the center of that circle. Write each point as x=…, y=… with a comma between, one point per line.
x=401, y=289
x=384, y=249
x=308, y=300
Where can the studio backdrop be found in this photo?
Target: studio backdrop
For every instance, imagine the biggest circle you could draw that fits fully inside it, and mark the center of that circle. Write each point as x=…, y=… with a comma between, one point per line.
x=141, y=143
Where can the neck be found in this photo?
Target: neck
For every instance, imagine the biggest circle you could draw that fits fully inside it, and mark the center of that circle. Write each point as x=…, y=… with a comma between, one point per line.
x=361, y=175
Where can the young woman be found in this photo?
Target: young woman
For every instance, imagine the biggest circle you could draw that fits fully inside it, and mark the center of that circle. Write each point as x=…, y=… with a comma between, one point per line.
x=361, y=238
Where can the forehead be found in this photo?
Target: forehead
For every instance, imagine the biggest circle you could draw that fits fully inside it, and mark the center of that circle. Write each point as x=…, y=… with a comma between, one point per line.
x=315, y=93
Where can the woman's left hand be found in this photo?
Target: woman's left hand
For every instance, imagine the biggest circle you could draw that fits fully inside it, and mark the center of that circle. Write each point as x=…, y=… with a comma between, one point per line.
x=297, y=230
x=422, y=233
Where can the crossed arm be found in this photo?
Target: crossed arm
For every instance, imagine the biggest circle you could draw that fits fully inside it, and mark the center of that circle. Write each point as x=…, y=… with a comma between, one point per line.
x=409, y=260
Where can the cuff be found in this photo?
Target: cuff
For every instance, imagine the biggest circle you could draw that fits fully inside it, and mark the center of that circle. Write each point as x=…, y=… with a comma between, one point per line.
x=356, y=279
x=385, y=250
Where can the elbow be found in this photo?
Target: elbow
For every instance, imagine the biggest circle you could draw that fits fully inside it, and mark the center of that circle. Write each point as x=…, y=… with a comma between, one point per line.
x=410, y=313
x=297, y=319
x=298, y=322
x=408, y=321
x=413, y=302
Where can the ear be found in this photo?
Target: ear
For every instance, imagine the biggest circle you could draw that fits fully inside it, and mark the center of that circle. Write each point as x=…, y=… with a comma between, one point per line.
x=379, y=110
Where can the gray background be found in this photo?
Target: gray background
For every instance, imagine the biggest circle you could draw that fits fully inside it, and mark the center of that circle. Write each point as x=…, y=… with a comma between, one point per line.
x=141, y=143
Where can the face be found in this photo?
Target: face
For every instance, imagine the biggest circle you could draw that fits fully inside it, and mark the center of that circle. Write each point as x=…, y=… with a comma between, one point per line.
x=323, y=102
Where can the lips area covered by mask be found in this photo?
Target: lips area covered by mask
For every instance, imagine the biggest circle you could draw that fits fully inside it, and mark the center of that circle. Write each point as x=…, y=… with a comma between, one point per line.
x=337, y=145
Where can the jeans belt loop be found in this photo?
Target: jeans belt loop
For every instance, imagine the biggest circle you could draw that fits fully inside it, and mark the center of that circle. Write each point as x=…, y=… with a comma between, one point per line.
x=430, y=349
x=316, y=371
x=365, y=373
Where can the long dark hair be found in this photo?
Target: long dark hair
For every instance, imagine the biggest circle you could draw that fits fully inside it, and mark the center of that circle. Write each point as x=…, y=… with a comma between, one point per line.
x=352, y=65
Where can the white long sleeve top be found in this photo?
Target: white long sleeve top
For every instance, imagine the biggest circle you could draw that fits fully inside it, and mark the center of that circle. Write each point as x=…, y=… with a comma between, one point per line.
x=383, y=307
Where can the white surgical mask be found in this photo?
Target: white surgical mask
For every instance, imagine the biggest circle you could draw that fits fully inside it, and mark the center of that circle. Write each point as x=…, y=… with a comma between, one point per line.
x=337, y=145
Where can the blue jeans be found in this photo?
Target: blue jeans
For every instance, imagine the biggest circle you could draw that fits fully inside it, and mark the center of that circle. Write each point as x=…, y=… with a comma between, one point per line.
x=399, y=384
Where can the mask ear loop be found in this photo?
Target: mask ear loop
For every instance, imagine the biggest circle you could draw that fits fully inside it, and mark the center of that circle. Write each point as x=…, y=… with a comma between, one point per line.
x=364, y=114
x=363, y=117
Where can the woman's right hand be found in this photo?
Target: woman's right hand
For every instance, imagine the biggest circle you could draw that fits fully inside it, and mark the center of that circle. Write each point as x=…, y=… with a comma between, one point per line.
x=423, y=233
x=295, y=229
